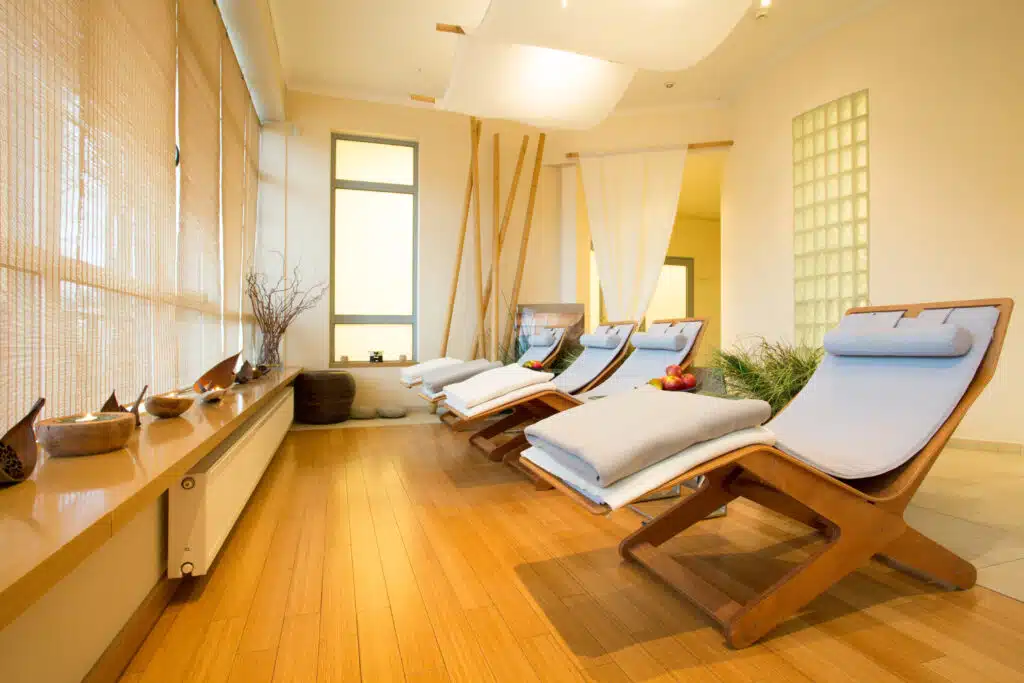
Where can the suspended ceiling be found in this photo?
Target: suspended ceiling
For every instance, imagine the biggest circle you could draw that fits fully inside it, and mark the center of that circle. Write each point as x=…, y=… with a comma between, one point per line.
x=383, y=50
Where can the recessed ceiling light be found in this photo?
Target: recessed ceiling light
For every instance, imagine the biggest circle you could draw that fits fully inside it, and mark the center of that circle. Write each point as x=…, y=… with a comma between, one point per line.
x=670, y=84
x=765, y=4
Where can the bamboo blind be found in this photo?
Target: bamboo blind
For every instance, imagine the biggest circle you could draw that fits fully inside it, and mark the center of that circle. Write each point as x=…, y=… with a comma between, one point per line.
x=234, y=114
x=199, y=244
x=97, y=290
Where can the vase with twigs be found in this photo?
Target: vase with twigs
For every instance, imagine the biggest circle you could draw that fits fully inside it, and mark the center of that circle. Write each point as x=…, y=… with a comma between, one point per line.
x=276, y=305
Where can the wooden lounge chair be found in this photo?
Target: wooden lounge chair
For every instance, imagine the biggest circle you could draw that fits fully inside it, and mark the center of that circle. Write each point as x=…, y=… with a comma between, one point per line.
x=860, y=518
x=546, y=403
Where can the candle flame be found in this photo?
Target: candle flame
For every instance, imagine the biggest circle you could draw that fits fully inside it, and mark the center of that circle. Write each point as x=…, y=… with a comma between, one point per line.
x=88, y=417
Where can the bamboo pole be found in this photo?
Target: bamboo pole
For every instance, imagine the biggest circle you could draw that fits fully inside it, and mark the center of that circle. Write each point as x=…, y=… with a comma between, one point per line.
x=478, y=252
x=495, y=250
x=526, y=238
x=474, y=139
x=505, y=220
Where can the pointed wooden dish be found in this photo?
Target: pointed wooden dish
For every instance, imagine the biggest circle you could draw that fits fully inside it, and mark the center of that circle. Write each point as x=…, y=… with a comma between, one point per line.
x=245, y=374
x=220, y=376
x=18, y=449
x=113, y=406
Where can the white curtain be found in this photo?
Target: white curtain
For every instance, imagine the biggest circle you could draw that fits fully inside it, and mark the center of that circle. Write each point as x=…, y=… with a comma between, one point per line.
x=535, y=85
x=661, y=35
x=631, y=206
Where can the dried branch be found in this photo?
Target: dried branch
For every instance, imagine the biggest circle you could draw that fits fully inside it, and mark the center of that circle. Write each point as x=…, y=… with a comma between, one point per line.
x=276, y=305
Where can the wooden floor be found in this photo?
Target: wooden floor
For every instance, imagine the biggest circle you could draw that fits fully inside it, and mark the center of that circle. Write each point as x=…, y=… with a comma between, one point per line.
x=400, y=553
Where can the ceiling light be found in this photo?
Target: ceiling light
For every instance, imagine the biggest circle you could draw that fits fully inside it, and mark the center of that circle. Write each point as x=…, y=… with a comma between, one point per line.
x=670, y=84
x=762, y=10
x=765, y=4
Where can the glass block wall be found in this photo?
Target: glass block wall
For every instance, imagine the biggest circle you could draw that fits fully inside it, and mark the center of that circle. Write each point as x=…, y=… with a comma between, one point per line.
x=830, y=214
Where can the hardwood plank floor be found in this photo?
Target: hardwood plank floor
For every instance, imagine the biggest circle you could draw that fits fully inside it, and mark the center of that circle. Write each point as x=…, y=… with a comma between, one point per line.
x=402, y=554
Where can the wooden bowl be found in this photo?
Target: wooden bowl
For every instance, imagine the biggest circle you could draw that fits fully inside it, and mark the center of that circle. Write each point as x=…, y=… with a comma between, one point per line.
x=69, y=436
x=166, y=405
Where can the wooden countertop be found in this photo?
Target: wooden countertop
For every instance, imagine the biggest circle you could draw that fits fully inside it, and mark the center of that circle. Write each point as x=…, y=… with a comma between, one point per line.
x=71, y=506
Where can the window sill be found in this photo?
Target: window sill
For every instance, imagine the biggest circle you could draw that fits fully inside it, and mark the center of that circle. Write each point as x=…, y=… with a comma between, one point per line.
x=368, y=364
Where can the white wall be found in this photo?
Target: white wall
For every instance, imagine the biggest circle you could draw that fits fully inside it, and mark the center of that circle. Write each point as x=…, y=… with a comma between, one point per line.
x=295, y=216
x=946, y=82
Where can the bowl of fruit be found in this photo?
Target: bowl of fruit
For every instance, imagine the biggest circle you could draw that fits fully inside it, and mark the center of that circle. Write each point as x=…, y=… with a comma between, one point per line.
x=675, y=380
x=533, y=365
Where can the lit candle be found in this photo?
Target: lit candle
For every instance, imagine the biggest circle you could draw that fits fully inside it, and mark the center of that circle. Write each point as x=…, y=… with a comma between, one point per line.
x=88, y=417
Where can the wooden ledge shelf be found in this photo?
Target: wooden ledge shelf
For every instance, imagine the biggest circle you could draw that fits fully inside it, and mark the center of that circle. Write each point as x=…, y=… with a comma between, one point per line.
x=71, y=506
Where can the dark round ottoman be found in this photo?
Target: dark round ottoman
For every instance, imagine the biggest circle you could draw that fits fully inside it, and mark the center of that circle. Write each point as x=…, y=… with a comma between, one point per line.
x=324, y=396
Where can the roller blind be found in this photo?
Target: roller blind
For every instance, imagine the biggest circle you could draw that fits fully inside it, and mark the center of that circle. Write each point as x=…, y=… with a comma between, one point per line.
x=102, y=286
x=201, y=341
x=235, y=111
x=87, y=216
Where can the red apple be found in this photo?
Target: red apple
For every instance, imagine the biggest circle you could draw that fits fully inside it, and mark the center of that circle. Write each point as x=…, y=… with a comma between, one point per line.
x=672, y=383
x=533, y=365
x=674, y=370
x=689, y=381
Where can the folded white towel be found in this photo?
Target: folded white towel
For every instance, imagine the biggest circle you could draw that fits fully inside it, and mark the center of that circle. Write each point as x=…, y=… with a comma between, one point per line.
x=651, y=478
x=415, y=372
x=609, y=439
x=492, y=384
x=503, y=400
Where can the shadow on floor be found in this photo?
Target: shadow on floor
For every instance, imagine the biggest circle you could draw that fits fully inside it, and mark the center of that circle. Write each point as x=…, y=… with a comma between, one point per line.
x=621, y=604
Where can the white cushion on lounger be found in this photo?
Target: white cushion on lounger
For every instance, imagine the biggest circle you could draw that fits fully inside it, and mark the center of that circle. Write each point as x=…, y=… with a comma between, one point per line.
x=415, y=373
x=593, y=360
x=664, y=342
x=541, y=353
x=861, y=416
x=600, y=341
x=655, y=476
x=607, y=440
x=492, y=384
x=506, y=399
x=910, y=339
x=645, y=364
x=542, y=338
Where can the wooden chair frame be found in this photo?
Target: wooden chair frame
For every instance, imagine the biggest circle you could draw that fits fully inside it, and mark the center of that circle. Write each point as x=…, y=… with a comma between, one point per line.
x=539, y=406
x=860, y=519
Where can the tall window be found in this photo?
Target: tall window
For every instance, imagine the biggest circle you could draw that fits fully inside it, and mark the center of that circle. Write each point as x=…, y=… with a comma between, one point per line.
x=374, y=186
x=830, y=205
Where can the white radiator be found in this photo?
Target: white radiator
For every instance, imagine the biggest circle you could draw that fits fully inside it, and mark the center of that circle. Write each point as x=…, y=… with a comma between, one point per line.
x=205, y=503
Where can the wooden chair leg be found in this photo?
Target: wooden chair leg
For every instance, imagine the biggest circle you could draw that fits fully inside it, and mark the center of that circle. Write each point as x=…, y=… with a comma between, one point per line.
x=503, y=425
x=681, y=516
x=804, y=583
x=915, y=553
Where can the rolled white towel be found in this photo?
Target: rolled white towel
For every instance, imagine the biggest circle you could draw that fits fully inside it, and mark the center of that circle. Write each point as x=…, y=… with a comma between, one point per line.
x=414, y=373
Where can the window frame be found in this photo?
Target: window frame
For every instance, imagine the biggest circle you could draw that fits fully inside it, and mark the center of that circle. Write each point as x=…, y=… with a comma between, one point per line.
x=413, y=190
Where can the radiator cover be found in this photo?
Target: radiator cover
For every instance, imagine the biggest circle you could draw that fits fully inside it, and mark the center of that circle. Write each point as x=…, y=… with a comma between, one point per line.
x=205, y=503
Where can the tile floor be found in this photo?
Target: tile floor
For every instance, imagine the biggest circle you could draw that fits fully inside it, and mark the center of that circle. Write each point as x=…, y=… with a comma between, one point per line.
x=972, y=502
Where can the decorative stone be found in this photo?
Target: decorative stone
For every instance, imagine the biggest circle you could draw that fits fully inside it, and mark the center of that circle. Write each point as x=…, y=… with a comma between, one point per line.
x=391, y=412
x=363, y=413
